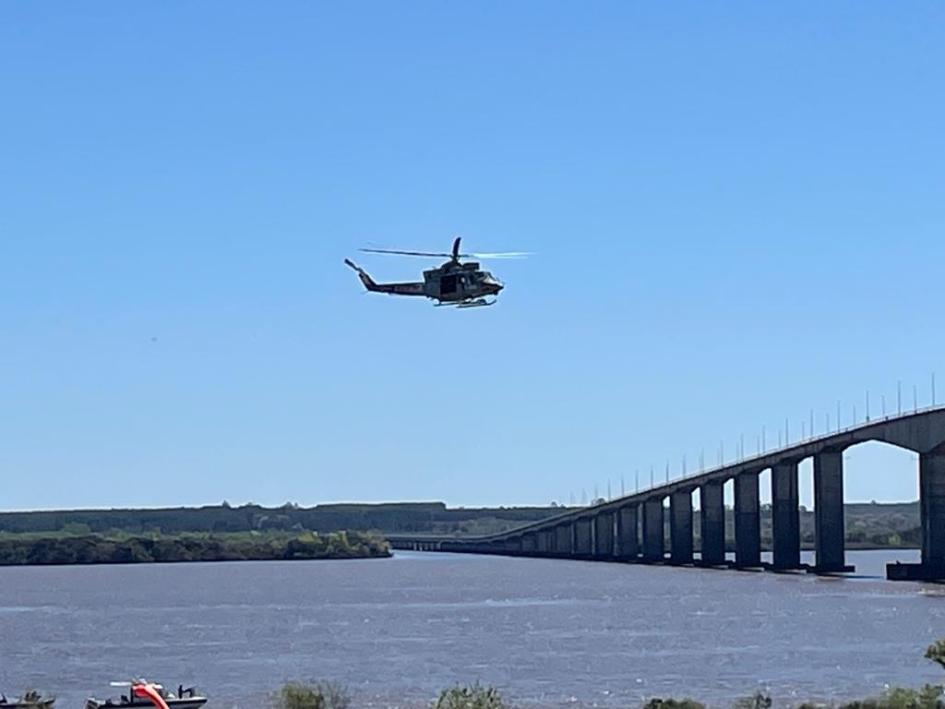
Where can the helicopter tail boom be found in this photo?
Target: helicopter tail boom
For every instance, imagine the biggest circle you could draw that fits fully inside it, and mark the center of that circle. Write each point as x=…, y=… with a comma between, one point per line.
x=391, y=288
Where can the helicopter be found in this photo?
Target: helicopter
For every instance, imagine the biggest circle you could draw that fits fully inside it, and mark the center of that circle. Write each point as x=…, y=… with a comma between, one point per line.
x=455, y=283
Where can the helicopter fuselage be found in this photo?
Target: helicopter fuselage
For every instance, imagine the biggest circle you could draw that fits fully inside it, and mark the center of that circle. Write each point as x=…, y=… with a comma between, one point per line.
x=452, y=283
x=458, y=282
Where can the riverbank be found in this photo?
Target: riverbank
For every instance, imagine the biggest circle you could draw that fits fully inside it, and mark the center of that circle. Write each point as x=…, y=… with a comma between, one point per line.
x=329, y=695
x=118, y=548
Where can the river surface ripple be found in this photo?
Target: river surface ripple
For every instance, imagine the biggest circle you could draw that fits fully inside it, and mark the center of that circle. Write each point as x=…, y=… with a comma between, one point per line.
x=548, y=633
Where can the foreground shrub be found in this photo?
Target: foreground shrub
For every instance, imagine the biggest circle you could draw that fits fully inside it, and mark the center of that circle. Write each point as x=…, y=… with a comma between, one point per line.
x=659, y=703
x=470, y=697
x=936, y=652
x=929, y=697
x=759, y=700
x=321, y=695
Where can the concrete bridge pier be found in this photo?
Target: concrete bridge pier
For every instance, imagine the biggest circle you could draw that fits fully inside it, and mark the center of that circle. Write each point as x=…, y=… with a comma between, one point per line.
x=544, y=542
x=932, y=507
x=785, y=517
x=932, y=516
x=583, y=543
x=712, y=528
x=653, y=529
x=747, y=521
x=604, y=535
x=628, y=545
x=529, y=543
x=828, y=513
x=680, y=527
x=563, y=545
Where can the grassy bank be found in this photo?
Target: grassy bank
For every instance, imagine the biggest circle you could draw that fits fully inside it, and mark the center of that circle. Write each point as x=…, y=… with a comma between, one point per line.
x=118, y=548
x=327, y=695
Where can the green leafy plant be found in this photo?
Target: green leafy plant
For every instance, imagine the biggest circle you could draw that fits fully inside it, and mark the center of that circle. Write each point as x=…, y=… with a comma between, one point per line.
x=670, y=703
x=321, y=695
x=936, y=653
x=470, y=697
x=759, y=700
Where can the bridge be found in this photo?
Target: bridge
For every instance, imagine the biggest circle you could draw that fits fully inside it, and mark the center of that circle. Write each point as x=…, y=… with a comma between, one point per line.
x=631, y=528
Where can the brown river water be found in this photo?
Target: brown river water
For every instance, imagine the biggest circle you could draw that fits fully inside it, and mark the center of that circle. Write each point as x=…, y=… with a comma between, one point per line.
x=548, y=633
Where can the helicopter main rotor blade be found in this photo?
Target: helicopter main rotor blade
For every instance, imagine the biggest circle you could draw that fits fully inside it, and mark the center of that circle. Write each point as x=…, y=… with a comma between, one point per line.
x=499, y=254
x=406, y=253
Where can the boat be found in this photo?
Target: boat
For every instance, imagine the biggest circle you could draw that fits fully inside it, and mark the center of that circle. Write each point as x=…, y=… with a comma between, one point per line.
x=31, y=699
x=145, y=695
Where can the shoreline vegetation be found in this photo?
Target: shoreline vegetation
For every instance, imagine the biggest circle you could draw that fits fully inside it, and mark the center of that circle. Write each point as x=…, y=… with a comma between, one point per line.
x=868, y=525
x=329, y=695
x=64, y=548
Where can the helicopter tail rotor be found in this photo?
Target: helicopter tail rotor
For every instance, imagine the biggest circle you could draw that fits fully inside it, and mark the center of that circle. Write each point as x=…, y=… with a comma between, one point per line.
x=365, y=277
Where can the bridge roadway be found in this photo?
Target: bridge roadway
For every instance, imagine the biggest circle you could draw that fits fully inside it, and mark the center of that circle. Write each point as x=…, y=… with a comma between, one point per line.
x=631, y=528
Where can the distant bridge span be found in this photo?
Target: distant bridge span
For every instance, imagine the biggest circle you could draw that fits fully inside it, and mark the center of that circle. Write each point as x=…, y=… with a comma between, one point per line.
x=631, y=528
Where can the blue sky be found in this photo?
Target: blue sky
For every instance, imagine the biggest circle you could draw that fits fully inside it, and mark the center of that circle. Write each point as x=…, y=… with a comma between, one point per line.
x=737, y=212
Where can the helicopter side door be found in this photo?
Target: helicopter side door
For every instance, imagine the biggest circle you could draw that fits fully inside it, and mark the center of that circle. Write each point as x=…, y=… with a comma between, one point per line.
x=449, y=286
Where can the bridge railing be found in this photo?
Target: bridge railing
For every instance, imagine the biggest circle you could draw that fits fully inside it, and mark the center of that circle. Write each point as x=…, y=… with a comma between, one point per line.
x=709, y=472
x=788, y=447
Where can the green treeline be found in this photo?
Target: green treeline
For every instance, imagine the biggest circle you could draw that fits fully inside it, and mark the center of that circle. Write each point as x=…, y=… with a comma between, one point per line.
x=432, y=517
x=44, y=549
x=867, y=524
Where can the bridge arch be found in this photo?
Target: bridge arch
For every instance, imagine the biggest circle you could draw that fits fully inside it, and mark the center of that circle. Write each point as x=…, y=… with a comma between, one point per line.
x=874, y=470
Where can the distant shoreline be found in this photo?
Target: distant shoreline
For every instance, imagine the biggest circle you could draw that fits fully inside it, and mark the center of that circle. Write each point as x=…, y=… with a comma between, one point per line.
x=101, y=549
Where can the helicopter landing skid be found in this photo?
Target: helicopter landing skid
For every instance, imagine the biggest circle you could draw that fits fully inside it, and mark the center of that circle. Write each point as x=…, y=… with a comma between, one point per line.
x=477, y=303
